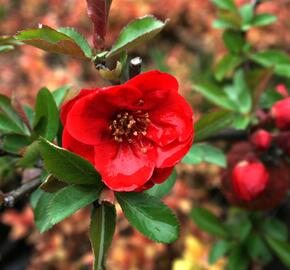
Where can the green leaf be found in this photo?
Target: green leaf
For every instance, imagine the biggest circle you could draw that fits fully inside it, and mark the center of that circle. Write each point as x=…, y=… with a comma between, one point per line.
x=208, y=222
x=227, y=65
x=161, y=190
x=274, y=58
x=7, y=126
x=34, y=198
x=70, y=199
x=247, y=14
x=225, y=4
x=42, y=221
x=149, y=216
x=79, y=40
x=46, y=120
x=15, y=123
x=60, y=93
x=51, y=184
x=239, y=93
x=275, y=229
x=207, y=153
x=238, y=259
x=30, y=156
x=257, y=248
x=137, y=32
x=239, y=227
x=212, y=123
x=6, y=48
x=263, y=19
x=215, y=95
x=234, y=41
x=218, y=250
x=224, y=24
x=15, y=143
x=102, y=228
x=51, y=40
x=281, y=248
x=67, y=166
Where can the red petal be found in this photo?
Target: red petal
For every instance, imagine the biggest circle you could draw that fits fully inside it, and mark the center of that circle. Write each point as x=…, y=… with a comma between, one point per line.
x=83, y=150
x=171, y=154
x=90, y=117
x=155, y=87
x=170, y=121
x=65, y=108
x=161, y=174
x=123, y=166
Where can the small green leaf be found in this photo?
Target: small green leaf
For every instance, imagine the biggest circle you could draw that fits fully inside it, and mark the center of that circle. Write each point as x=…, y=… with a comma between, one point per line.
x=30, y=156
x=6, y=48
x=79, y=40
x=208, y=222
x=247, y=14
x=212, y=123
x=263, y=19
x=70, y=199
x=238, y=259
x=275, y=229
x=51, y=40
x=234, y=41
x=136, y=33
x=218, y=250
x=257, y=248
x=150, y=216
x=102, y=228
x=240, y=227
x=15, y=143
x=42, y=221
x=227, y=65
x=10, y=118
x=46, y=120
x=60, y=93
x=225, y=4
x=215, y=95
x=281, y=248
x=207, y=153
x=51, y=184
x=161, y=190
x=67, y=166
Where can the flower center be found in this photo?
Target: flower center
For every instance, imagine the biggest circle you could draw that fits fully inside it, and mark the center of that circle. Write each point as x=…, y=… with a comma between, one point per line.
x=129, y=125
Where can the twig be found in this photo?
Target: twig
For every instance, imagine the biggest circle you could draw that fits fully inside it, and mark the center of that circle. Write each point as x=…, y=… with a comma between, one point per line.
x=135, y=66
x=9, y=199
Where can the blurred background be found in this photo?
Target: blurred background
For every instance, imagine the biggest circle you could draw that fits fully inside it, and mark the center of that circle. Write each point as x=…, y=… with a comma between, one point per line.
x=188, y=48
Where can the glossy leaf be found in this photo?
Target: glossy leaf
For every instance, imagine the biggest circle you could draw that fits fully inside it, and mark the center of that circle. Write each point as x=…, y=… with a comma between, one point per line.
x=10, y=118
x=149, y=216
x=215, y=95
x=227, y=65
x=15, y=143
x=205, y=152
x=281, y=249
x=46, y=120
x=218, y=250
x=67, y=166
x=161, y=190
x=42, y=221
x=102, y=228
x=208, y=222
x=50, y=40
x=263, y=19
x=30, y=156
x=51, y=184
x=79, y=40
x=70, y=199
x=60, y=93
x=135, y=33
x=211, y=123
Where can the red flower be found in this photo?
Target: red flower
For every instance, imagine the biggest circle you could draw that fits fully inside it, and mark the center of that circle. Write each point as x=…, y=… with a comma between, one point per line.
x=281, y=113
x=275, y=190
x=261, y=139
x=249, y=179
x=132, y=133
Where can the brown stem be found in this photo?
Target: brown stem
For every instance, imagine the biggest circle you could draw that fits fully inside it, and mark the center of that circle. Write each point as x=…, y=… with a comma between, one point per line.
x=9, y=199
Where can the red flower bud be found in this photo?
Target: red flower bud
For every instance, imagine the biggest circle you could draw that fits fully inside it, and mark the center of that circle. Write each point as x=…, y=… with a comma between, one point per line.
x=249, y=179
x=281, y=113
x=282, y=90
x=261, y=139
